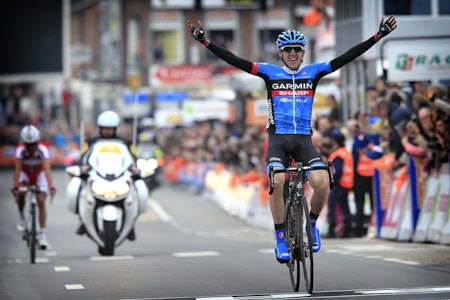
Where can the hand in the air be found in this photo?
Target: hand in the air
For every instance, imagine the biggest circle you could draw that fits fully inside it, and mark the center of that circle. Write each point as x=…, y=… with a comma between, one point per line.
x=387, y=27
x=196, y=32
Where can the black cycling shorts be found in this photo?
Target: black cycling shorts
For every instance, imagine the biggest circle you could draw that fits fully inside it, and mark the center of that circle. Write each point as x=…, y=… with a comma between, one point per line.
x=298, y=145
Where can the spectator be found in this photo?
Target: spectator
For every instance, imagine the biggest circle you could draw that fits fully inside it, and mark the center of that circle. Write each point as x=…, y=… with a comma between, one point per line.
x=335, y=112
x=324, y=125
x=364, y=150
x=343, y=173
x=66, y=96
x=393, y=112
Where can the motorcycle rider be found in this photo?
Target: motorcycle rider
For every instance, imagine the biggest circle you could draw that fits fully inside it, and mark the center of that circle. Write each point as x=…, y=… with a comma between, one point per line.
x=32, y=166
x=108, y=123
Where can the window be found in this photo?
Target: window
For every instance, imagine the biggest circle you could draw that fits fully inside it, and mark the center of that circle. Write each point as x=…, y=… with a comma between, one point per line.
x=348, y=9
x=444, y=7
x=408, y=7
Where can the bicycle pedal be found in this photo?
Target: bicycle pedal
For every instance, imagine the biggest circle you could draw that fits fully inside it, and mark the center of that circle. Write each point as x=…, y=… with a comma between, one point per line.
x=282, y=261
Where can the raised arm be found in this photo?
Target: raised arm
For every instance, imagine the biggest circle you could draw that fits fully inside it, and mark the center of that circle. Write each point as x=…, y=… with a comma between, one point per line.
x=198, y=33
x=385, y=28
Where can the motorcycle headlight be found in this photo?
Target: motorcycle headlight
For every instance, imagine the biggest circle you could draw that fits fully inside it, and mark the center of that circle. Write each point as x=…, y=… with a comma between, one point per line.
x=147, y=164
x=110, y=190
x=152, y=163
x=122, y=188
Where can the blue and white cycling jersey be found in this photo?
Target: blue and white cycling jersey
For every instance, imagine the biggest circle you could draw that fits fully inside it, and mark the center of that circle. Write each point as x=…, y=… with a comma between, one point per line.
x=290, y=95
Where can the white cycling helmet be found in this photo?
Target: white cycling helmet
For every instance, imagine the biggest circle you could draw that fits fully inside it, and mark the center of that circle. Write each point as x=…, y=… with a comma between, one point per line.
x=30, y=134
x=108, y=119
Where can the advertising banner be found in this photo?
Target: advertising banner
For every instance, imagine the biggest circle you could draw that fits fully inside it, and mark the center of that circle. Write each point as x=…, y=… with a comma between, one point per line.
x=396, y=198
x=440, y=215
x=426, y=210
x=419, y=59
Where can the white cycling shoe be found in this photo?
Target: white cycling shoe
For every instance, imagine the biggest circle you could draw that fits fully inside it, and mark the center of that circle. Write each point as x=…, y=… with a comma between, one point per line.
x=42, y=241
x=21, y=226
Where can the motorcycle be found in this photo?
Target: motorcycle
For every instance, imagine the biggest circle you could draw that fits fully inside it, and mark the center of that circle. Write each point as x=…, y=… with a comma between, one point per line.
x=108, y=197
x=150, y=157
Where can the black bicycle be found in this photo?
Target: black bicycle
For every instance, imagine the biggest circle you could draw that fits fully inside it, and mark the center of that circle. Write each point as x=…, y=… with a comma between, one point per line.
x=299, y=237
x=31, y=222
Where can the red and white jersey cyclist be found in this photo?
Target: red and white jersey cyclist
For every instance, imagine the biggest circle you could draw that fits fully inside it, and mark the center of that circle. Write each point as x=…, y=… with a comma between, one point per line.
x=32, y=166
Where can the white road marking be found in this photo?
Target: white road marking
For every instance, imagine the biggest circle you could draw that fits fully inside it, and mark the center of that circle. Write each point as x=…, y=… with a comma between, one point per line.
x=61, y=269
x=109, y=258
x=159, y=210
x=406, y=262
x=74, y=286
x=396, y=260
x=50, y=253
x=339, y=294
x=196, y=254
x=41, y=260
x=17, y=260
x=419, y=290
x=266, y=251
x=259, y=297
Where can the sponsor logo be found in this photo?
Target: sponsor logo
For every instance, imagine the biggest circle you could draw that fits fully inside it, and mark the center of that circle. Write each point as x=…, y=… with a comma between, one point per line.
x=407, y=62
x=292, y=86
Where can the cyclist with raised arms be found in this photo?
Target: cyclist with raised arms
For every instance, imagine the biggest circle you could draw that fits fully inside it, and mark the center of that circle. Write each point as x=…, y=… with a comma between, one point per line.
x=32, y=166
x=290, y=91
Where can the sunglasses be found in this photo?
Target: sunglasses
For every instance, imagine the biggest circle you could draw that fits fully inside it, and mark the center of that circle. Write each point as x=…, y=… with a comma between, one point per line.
x=288, y=49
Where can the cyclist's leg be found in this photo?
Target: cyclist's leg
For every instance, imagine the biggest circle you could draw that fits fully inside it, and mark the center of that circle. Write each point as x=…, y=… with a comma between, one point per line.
x=42, y=183
x=20, y=200
x=41, y=197
x=318, y=179
x=276, y=158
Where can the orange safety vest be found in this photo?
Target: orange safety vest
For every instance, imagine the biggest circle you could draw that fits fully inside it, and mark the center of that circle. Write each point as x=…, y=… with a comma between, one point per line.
x=346, y=180
x=365, y=165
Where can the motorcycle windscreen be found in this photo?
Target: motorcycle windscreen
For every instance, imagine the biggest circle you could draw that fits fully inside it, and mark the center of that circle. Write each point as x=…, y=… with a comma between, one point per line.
x=110, y=158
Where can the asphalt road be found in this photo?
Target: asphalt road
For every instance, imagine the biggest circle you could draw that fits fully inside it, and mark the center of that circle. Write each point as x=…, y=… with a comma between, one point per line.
x=189, y=248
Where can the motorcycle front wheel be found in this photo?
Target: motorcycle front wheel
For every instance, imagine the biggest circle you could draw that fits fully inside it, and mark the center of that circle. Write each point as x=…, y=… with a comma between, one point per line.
x=109, y=238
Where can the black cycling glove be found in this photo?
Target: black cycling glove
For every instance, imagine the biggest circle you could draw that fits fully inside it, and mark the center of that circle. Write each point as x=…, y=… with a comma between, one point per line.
x=386, y=27
x=198, y=34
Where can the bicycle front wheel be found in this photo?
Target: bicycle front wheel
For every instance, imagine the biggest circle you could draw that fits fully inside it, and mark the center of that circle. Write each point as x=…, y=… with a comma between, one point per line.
x=293, y=230
x=32, y=234
x=306, y=251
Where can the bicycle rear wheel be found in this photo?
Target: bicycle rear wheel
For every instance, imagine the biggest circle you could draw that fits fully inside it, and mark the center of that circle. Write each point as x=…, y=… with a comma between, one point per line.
x=306, y=251
x=32, y=234
x=292, y=240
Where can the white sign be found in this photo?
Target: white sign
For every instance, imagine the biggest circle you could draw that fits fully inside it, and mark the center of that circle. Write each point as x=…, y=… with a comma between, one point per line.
x=205, y=110
x=421, y=59
x=80, y=54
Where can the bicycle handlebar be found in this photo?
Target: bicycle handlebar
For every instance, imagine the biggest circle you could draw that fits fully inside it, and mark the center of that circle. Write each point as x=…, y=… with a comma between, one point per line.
x=303, y=169
x=33, y=189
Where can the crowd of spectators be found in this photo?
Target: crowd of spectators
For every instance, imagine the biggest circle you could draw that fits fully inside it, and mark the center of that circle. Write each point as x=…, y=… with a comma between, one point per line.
x=405, y=119
x=413, y=120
